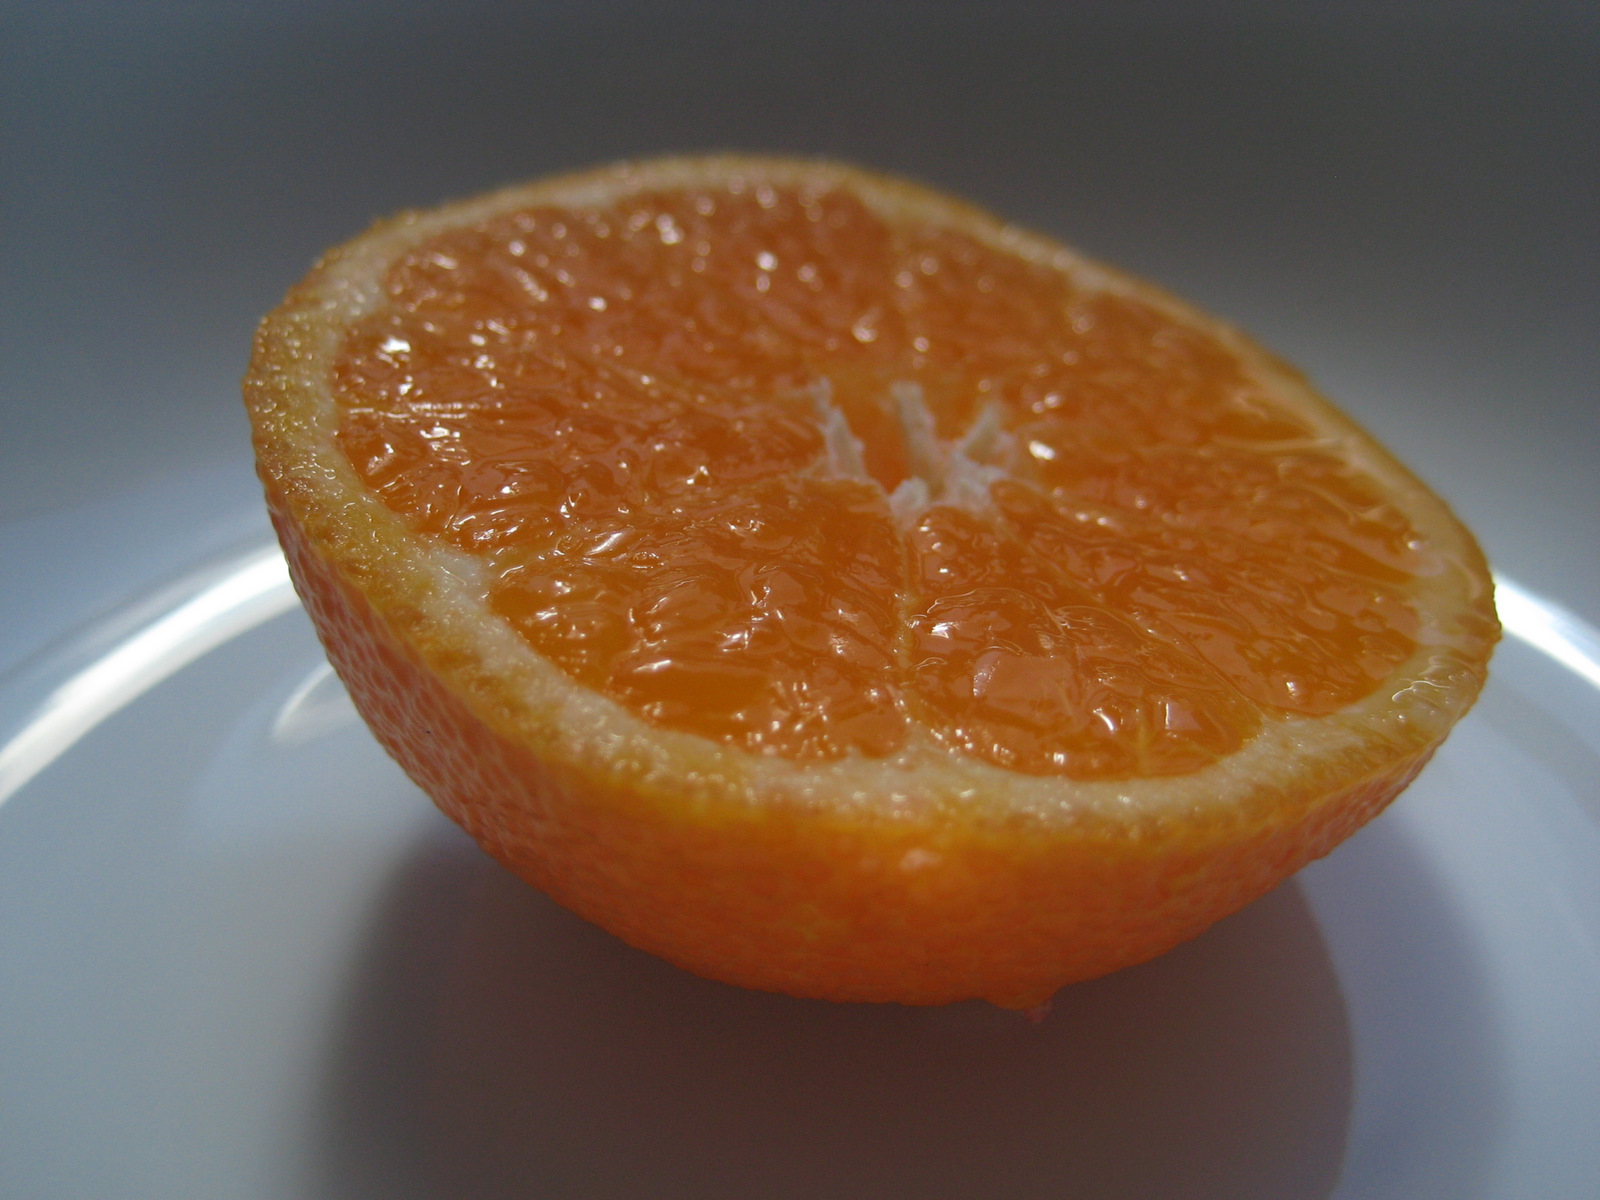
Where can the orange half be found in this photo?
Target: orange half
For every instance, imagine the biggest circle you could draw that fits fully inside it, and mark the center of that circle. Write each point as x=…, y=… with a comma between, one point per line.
x=835, y=590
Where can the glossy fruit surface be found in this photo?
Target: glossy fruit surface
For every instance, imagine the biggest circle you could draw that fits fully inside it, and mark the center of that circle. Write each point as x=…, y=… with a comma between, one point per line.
x=834, y=590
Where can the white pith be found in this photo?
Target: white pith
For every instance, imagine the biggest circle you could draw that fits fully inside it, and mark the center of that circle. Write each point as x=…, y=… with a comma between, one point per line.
x=958, y=474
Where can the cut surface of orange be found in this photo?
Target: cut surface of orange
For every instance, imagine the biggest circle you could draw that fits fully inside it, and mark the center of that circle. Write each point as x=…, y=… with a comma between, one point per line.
x=835, y=590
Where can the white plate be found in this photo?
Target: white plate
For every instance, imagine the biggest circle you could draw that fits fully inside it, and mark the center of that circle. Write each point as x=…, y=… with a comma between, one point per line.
x=242, y=956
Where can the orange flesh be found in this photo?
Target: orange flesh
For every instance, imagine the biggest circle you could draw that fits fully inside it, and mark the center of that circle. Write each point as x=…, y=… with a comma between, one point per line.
x=1126, y=557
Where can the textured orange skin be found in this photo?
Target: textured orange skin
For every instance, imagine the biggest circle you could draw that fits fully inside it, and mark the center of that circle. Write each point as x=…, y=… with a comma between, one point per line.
x=802, y=902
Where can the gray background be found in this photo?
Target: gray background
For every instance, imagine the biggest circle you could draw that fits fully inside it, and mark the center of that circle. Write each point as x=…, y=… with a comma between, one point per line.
x=1403, y=200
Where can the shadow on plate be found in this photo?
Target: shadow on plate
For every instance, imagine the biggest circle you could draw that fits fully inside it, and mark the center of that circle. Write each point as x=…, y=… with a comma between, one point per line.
x=494, y=1045
x=1434, y=1073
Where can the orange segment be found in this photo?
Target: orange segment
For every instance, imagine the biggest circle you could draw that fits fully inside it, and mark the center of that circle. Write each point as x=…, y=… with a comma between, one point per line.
x=1024, y=668
x=806, y=545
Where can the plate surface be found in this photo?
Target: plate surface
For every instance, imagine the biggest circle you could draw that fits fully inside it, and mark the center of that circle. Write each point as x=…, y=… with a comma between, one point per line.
x=242, y=956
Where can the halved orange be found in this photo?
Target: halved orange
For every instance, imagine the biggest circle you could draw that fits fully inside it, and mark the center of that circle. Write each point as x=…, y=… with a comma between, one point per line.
x=834, y=590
